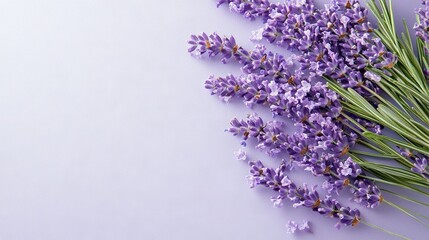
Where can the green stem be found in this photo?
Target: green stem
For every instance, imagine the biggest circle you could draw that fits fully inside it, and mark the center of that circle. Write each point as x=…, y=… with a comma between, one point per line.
x=404, y=210
x=384, y=230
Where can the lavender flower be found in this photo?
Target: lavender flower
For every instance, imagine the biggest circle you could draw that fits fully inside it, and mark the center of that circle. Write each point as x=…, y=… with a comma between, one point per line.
x=348, y=217
x=367, y=193
x=350, y=168
x=278, y=181
x=254, y=127
x=250, y=9
x=420, y=166
x=302, y=151
x=214, y=45
x=314, y=108
x=226, y=87
x=420, y=162
x=422, y=26
x=334, y=41
x=372, y=76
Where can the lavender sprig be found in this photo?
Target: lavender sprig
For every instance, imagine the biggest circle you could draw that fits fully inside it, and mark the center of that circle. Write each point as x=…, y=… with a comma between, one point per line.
x=250, y=9
x=272, y=138
x=277, y=180
x=420, y=162
x=333, y=42
x=421, y=27
x=314, y=108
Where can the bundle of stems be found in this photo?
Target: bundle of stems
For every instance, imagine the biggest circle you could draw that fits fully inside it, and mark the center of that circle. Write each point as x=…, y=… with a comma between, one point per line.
x=403, y=107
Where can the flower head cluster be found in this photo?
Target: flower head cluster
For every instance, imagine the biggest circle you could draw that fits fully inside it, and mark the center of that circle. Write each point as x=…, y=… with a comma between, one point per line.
x=273, y=139
x=214, y=45
x=270, y=136
x=422, y=26
x=368, y=193
x=277, y=180
x=267, y=80
x=314, y=109
x=420, y=166
x=334, y=42
x=250, y=9
x=420, y=162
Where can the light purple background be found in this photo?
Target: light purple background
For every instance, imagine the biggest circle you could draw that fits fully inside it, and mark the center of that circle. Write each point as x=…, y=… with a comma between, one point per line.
x=106, y=131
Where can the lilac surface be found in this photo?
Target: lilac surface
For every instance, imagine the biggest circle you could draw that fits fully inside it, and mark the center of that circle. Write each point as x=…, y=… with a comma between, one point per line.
x=107, y=132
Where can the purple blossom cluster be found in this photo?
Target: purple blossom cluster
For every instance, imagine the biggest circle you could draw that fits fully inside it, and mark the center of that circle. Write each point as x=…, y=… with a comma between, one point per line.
x=422, y=26
x=278, y=181
x=314, y=109
x=334, y=42
x=271, y=136
x=267, y=80
x=249, y=9
x=420, y=162
x=303, y=150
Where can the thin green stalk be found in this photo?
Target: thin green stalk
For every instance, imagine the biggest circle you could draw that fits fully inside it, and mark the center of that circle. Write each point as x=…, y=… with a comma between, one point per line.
x=406, y=212
x=393, y=183
x=407, y=198
x=371, y=154
x=397, y=142
x=384, y=230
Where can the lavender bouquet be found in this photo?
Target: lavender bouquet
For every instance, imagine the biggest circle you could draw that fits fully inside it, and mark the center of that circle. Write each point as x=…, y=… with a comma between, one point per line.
x=347, y=83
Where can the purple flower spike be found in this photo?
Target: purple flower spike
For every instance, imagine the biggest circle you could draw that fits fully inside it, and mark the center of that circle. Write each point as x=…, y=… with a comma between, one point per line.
x=367, y=193
x=334, y=42
x=254, y=127
x=422, y=26
x=250, y=9
x=278, y=181
x=420, y=165
x=349, y=168
x=270, y=135
x=349, y=217
x=312, y=107
x=302, y=150
x=226, y=88
x=420, y=162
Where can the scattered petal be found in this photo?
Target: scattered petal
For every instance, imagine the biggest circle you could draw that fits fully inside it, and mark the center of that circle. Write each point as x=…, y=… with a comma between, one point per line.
x=257, y=35
x=291, y=227
x=240, y=155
